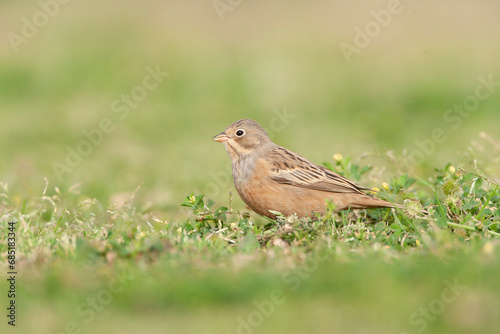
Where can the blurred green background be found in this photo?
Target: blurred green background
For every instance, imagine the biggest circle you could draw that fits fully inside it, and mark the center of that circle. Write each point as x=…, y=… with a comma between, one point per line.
x=261, y=57
x=262, y=60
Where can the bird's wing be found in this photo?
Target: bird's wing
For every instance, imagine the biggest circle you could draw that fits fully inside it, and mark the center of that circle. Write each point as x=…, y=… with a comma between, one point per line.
x=290, y=168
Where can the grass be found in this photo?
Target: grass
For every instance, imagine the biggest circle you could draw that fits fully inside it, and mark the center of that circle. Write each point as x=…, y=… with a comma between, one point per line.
x=144, y=234
x=386, y=264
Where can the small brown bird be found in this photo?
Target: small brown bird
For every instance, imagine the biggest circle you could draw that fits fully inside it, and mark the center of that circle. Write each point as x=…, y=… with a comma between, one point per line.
x=270, y=177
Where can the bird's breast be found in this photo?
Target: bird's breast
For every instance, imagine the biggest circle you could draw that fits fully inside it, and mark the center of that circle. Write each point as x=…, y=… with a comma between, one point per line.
x=243, y=170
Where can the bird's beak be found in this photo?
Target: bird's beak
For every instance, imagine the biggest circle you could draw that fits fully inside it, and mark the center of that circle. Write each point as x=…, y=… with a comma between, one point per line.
x=221, y=137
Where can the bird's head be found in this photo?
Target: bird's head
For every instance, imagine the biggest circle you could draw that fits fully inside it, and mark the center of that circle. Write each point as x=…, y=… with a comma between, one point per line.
x=243, y=137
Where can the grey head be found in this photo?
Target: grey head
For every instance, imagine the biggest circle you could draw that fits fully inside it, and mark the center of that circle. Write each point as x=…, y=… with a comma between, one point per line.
x=244, y=137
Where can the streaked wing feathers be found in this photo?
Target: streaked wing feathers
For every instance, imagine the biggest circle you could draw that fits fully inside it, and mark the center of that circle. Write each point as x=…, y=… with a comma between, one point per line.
x=290, y=168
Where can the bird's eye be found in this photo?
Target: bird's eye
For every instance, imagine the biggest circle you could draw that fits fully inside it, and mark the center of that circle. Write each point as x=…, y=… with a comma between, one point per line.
x=240, y=132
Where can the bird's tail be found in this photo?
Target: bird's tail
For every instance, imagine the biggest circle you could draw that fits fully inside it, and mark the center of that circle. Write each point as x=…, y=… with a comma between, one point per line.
x=367, y=202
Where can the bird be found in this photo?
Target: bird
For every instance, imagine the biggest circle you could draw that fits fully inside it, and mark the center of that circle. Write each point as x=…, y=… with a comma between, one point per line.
x=270, y=178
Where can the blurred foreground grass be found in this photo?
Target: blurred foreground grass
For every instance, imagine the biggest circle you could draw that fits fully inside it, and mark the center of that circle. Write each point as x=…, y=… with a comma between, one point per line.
x=116, y=213
x=85, y=267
